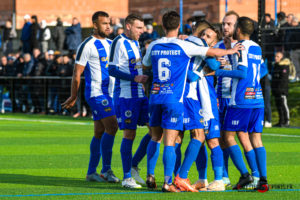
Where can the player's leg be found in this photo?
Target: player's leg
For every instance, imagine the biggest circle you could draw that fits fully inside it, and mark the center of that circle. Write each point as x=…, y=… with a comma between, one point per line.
x=129, y=110
x=169, y=158
x=111, y=127
x=142, y=149
x=260, y=151
x=223, y=105
x=154, y=145
x=178, y=143
x=201, y=164
x=95, y=153
x=153, y=154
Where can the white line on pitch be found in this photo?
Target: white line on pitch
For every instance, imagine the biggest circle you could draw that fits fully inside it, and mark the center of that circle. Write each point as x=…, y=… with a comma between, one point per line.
x=45, y=121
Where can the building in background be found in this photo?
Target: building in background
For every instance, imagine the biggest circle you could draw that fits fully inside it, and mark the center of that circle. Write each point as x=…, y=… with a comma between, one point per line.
x=65, y=9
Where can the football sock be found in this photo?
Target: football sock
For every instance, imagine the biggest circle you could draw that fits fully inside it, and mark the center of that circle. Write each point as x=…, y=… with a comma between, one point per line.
x=201, y=162
x=217, y=162
x=169, y=159
x=178, y=158
x=94, y=155
x=152, y=156
x=251, y=159
x=141, y=151
x=226, y=158
x=107, y=143
x=261, y=159
x=126, y=156
x=190, y=156
x=237, y=159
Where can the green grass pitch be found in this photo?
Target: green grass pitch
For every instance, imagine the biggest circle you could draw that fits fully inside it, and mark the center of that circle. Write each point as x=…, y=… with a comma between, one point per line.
x=46, y=157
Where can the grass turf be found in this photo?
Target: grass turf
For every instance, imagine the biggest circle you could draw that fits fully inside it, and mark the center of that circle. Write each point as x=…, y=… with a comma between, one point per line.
x=46, y=157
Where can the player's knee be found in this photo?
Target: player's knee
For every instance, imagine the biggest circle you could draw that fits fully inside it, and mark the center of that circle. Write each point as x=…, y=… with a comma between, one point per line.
x=229, y=140
x=129, y=134
x=212, y=143
x=256, y=142
x=112, y=129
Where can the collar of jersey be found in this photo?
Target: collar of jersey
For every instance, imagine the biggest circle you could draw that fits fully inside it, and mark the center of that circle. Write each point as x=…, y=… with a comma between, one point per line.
x=123, y=35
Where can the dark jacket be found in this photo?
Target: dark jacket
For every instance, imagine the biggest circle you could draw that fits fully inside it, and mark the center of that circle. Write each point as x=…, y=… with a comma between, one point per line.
x=73, y=37
x=34, y=37
x=26, y=32
x=293, y=38
x=58, y=36
x=280, y=77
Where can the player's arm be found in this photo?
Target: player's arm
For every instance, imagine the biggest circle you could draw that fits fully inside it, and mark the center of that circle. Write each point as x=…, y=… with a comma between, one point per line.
x=78, y=70
x=263, y=69
x=216, y=52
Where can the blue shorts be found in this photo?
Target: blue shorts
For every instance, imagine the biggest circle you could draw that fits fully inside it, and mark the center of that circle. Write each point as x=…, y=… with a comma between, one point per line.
x=244, y=119
x=192, y=118
x=102, y=106
x=223, y=106
x=167, y=116
x=131, y=112
x=211, y=129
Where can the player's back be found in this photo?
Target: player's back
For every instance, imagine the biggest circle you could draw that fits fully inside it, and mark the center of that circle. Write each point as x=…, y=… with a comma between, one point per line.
x=170, y=58
x=247, y=92
x=93, y=53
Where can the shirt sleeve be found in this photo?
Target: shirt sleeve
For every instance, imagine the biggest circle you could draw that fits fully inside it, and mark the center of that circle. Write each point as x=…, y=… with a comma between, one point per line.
x=82, y=55
x=115, y=53
x=192, y=49
x=147, y=58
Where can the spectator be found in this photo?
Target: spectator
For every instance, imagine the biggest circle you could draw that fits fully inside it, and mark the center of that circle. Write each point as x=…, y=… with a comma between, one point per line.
x=45, y=36
x=293, y=45
x=149, y=34
x=188, y=27
x=26, y=35
x=73, y=36
x=2, y=83
x=280, y=80
x=289, y=19
x=116, y=23
x=9, y=33
x=58, y=35
x=34, y=33
x=280, y=31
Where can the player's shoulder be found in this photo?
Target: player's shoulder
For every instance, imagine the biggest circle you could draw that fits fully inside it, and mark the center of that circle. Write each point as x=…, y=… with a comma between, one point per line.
x=220, y=44
x=86, y=43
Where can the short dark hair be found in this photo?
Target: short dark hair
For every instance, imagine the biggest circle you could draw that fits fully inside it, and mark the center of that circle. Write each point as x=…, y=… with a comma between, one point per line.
x=268, y=15
x=246, y=25
x=132, y=17
x=231, y=12
x=171, y=20
x=99, y=14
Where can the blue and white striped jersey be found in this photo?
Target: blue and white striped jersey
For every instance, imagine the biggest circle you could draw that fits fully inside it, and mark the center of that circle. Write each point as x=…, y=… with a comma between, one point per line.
x=125, y=54
x=93, y=53
x=223, y=87
x=196, y=65
x=169, y=58
x=247, y=92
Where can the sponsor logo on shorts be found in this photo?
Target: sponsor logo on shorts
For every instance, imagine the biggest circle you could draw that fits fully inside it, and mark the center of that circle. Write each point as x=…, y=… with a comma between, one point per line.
x=128, y=113
x=104, y=102
x=201, y=112
x=173, y=119
x=201, y=121
x=127, y=121
x=217, y=127
x=107, y=109
x=186, y=120
x=235, y=122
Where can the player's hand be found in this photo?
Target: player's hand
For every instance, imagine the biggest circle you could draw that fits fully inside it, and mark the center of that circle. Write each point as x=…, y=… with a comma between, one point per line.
x=210, y=73
x=222, y=61
x=237, y=48
x=69, y=103
x=141, y=78
x=183, y=37
x=227, y=42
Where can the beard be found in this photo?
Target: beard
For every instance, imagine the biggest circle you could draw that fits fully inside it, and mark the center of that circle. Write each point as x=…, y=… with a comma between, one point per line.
x=102, y=34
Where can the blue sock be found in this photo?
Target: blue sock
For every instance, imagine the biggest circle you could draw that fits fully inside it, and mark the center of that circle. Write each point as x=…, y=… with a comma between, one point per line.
x=251, y=159
x=169, y=159
x=178, y=158
x=141, y=151
x=217, y=162
x=201, y=162
x=107, y=142
x=94, y=155
x=226, y=158
x=190, y=156
x=261, y=159
x=237, y=159
x=152, y=156
x=126, y=155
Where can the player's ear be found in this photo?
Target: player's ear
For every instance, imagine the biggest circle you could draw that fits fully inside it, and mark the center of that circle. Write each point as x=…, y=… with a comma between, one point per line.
x=95, y=25
x=128, y=26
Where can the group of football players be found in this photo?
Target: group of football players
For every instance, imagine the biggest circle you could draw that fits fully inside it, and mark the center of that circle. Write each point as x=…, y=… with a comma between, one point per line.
x=183, y=97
